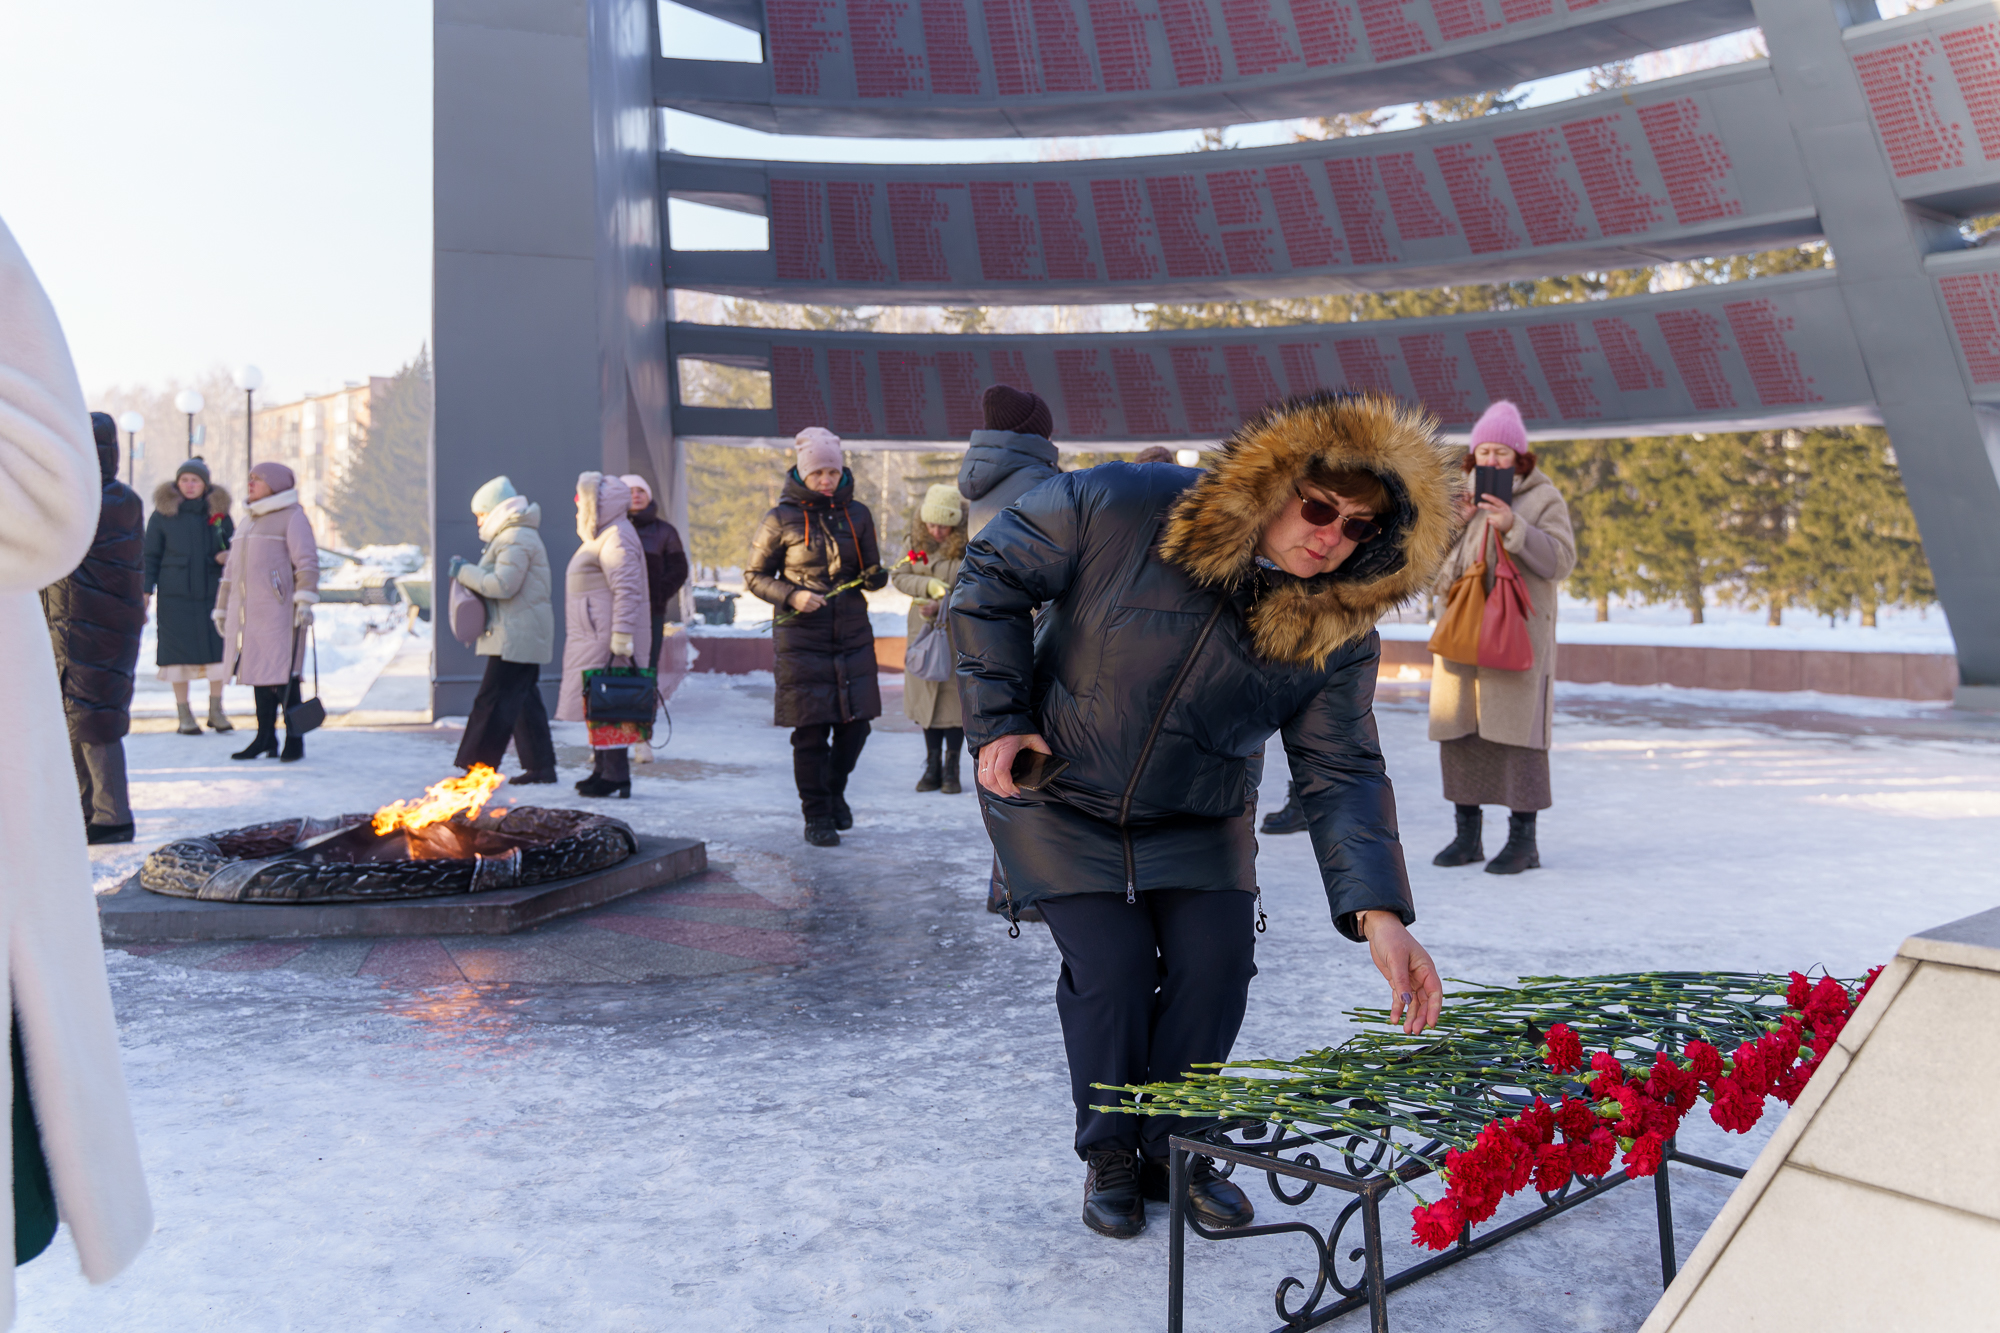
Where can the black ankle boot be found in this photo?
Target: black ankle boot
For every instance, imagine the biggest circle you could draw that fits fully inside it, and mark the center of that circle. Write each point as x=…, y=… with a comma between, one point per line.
x=1111, y=1203
x=295, y=748
x=533, y=777
x=843, y=818
x=265, y=743
x=821, y=833
x=954, y=743
x=1291, y=819
x=1520, y=852
x=1216, y=1201
x=1468, y=847
x=933, y=777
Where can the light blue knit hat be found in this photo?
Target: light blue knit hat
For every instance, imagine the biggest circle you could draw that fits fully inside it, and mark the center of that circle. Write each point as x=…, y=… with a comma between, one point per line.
x=492, y=494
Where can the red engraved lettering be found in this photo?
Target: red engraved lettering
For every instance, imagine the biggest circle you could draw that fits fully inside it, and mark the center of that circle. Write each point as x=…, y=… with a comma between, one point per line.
x=850, y=207
x=1065, y=61
x=798, y=231
x=795, y=389
x=1250, y=380
x=1559, y=351
x=1142, y=394
x=882, y=68
x=1906, y=116
x=1434, y=371
x=1010, y=36
x=1085, y=390
x=1309, y=242
x=1122, y=230
x=798, y=42
x=1774, y=368
x=1361, y=215
x=1632, y=367
x=905, y=395
x=1501, y=373
x=1975, y=62
x=1010, y=368
x=1694, y=341
x=1461, y=20
x=1534, y=163
x=915, y=210
x=1392, y=35
x=1191, y=42
x=1238, y=204
x=948, y=48
x=1604, y=160
x=1693, y=163
x=1065, y=245
x=847, y=375
x=1178, y=205
x=1362, y=365
x=1326, y=31
x=1418, y=217
x=1123, y=53
x=1202, y=392
x=1972, y=300
x=1262, y=44
x=1481, y=210
x=1525, y=11
x=1301, y=363
x=1004, y=233
x=958, y=373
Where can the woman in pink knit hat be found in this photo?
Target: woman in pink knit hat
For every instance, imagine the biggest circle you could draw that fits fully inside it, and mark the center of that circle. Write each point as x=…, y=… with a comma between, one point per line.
x=1494, y=725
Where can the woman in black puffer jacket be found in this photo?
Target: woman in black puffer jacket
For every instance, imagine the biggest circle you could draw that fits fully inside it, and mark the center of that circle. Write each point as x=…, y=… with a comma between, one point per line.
x=1188, y=617
x=187, y=541
x=816, y=539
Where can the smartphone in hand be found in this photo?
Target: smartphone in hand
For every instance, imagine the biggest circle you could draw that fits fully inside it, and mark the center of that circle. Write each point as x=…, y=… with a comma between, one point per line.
x=1032, y=770
x=1493, y=481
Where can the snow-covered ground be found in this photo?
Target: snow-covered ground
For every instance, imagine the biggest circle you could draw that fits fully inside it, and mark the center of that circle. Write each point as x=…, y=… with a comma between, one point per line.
x=877, y=1137
x=1901, y=629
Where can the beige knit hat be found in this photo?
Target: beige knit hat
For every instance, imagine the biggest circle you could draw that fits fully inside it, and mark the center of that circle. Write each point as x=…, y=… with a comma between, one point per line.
x=943, y=505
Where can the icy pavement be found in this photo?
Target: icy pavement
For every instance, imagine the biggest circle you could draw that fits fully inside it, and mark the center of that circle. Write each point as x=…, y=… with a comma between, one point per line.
x=875, y=1136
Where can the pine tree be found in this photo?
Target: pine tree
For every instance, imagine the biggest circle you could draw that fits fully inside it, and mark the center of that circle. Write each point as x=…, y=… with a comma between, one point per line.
x=382, y=496
x=1588, y=476
x=1857, y=536
x=1678, y=536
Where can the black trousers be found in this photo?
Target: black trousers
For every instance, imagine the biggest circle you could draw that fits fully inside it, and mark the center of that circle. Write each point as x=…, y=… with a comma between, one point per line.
x=822, y=757
x=509, y=704
x=1148, y=990
x=271, y=699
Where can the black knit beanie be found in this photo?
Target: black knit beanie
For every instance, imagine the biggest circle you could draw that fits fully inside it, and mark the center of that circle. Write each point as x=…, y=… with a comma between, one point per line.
x=1008, y=408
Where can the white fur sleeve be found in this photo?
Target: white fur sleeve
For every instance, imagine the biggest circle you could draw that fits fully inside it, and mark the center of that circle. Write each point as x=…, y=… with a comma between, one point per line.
x=49, y=479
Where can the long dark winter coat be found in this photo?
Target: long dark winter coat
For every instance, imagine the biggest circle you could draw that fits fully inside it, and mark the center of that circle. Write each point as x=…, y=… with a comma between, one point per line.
x=1167, y=656
x=97, y=614
x=183, y=537
x=1000, y=467
x=666, y=559
x=826, y=660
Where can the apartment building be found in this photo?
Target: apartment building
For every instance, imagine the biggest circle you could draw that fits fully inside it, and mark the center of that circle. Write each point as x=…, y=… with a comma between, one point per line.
x=315, y=436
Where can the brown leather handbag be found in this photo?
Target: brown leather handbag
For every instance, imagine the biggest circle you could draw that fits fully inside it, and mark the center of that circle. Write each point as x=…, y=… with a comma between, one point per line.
x=1456, y=638
x=1504, y=644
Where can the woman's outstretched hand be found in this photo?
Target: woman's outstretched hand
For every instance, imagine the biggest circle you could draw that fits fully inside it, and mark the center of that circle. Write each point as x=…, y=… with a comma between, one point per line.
x=996, y=761
x=1416, y=995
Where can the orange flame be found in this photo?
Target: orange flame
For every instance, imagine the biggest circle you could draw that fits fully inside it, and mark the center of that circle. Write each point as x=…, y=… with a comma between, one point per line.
x=441, y=800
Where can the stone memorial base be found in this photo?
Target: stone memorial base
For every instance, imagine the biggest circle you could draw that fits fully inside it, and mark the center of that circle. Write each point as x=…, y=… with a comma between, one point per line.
x=1876, y=1205
x=133, y=915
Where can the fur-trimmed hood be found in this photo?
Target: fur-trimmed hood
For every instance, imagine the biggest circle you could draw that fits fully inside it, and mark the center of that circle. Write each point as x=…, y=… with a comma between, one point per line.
x=1215, y=526
x=167, y=499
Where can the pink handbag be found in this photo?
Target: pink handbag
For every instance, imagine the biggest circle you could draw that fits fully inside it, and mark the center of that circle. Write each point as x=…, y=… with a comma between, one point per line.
x=468, y=614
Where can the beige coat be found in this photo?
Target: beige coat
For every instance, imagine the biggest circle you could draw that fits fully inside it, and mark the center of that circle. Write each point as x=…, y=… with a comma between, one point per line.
x=604, y=591
x=273, y=568
x=513, y=576
x=1510, y=707
x=52, y=962
x=930, y=703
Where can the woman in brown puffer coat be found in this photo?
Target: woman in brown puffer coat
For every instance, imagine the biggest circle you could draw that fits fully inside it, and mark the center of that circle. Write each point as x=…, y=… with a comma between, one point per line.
x=939, y=536
x=1494, y=724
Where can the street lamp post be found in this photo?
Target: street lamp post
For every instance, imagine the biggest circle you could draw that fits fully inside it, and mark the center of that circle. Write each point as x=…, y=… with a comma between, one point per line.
x=249, y=379
x=133, y=424
x=190, y=401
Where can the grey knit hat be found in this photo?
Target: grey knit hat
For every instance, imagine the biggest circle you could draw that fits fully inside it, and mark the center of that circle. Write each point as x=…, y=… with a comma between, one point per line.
x=194, y=465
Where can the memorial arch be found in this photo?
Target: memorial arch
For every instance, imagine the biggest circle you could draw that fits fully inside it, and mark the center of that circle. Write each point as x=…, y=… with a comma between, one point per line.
x=555, y=353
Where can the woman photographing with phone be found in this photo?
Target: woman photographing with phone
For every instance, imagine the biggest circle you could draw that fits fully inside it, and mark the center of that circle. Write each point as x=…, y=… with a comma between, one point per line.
x=1188, y=617
x=1495, y=725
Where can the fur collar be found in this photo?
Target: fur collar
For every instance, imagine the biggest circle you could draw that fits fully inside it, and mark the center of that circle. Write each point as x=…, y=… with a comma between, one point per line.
x=167, y=499
x=271, y=504
x=1214, y=527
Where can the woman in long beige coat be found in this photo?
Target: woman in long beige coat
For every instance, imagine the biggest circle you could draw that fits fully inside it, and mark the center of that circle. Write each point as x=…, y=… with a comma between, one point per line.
x=604, y=613
x=939, y=535
x=1495, y=725
x=265, y=604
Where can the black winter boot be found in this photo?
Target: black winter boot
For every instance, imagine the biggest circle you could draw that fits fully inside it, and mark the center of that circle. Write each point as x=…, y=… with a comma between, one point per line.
x=98, y=834
x=843, y=818
x=1468, y=847
x=933, y=777
x=265, y=743
x=1520, y=852
x=1291, y=819
x=1216, y=1201
x=1111, y=1203
x=954, y=743
x=533, y=777
x=295, y=748
x=610, y=775
x=822, y=833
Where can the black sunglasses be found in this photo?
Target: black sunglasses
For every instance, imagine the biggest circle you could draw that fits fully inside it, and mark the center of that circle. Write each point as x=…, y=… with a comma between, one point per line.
x=1323, y=515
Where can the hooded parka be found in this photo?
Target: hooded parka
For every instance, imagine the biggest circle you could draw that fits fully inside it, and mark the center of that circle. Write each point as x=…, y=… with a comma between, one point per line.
x=1000, y=467
x=604, y=589
x=513, y=576
x=273, y=566
x=1509, y=707
x=183, y=537
x=97, y=613
x=826, y=658
x=52, y=962
x=1168, y=655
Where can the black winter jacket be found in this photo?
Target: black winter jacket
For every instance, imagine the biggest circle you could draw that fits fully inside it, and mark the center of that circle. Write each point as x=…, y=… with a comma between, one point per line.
x=666, y=559
x=1000, y=467
x=1160, y=678
x=97, y=614
x=826, y=659
x=183, y=537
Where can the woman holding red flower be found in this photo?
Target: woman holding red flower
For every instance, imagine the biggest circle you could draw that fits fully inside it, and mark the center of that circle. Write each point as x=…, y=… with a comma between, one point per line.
x=187, y=541
x=937, y=549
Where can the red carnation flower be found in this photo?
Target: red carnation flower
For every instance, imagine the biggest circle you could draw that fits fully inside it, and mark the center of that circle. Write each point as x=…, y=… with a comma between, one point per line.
x=1736, y=1109
x=919, y=557
x=1536, y=1124
x=1797, y=993
x=1867, y=983
x=1670, y=1083
x=1643, y=1157
x=1437, y=1225
x=1704, y=1061
x=1575, y=1119
x=1592, y=1156
x=1552, y=1167
x=1563, y=1050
